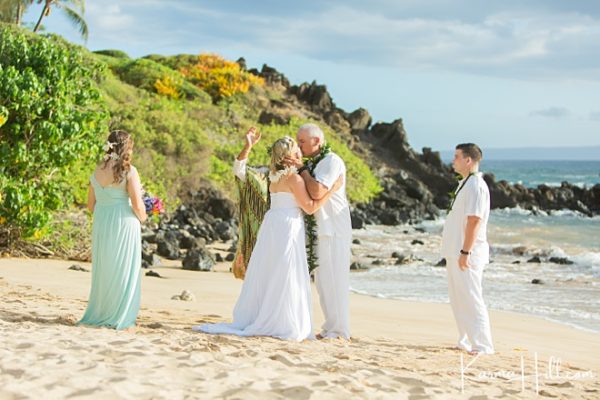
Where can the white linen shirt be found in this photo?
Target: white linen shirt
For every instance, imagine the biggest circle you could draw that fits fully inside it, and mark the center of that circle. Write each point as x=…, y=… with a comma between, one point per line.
x=473, y=199
x=333, y=218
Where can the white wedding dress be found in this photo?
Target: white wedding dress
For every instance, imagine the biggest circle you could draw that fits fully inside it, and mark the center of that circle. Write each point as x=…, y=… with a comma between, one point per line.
x=276, y=297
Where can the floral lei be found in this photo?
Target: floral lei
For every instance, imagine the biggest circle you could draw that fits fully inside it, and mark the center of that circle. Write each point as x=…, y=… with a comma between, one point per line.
x=309, y=220
x=452, y=195
x=275, y=177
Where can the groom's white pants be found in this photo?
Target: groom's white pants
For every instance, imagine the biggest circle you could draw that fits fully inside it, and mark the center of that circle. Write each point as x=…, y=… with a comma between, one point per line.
x=471, y=315
x=332, y=279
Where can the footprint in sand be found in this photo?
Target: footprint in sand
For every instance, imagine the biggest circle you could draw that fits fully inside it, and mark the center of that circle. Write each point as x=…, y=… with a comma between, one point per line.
x=16, y=373
x=282, y=359
x=295, y=392
x=82, y=392
x=118, y=342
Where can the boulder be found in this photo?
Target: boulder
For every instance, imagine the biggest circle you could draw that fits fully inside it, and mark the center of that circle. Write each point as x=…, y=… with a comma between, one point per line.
x=185, y=295
x=360, y=121
x=151, y=259
x=198, y=259
x=168, y=246
x=560, y=260
x=316, y=96
x=356, y=266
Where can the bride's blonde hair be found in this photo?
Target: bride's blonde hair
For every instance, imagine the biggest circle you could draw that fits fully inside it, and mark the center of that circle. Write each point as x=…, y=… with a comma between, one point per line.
x=281, y=149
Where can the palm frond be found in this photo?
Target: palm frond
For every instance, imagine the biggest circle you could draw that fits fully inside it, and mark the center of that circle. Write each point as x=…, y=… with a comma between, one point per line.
x=79, y=5
x=77, y=20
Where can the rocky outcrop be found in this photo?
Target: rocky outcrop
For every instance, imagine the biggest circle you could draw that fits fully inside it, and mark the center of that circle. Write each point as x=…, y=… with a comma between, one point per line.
x=416, y=185
x=544, y=198
x=206, y=216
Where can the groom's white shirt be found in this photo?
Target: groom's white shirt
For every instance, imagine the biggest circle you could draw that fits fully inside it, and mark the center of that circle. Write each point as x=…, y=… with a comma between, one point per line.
x=333, y=218
x=473, y=199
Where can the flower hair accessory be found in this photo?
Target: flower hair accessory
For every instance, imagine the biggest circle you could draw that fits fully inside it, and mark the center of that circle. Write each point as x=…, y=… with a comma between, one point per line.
x=111, y=156
x=108, y=146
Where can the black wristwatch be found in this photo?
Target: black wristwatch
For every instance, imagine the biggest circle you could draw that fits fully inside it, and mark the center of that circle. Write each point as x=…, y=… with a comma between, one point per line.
x=465, y=253
x=302, y=169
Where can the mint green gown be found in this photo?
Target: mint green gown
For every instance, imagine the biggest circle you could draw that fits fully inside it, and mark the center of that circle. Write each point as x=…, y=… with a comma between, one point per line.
x=116, y=259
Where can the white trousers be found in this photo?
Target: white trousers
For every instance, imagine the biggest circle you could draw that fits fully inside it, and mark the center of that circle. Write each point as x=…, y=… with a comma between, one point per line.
x=332, y=278
x=470, y=313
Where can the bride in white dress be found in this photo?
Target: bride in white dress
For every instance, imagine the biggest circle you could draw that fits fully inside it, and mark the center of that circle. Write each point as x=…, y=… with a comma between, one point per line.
x=276, y=298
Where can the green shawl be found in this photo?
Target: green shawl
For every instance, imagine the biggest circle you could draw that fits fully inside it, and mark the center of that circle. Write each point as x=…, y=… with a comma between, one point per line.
x=254, y=202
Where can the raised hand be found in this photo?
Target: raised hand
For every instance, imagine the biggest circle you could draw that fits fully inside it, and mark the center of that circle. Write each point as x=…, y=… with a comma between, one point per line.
x=252, y=137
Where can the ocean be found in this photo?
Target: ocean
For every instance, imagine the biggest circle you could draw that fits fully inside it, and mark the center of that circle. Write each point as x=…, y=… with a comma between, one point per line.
x=569, y=294
x=532, y=173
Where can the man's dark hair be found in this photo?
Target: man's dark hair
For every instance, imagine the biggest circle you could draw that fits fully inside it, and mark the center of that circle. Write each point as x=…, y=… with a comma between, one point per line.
x=470, y=150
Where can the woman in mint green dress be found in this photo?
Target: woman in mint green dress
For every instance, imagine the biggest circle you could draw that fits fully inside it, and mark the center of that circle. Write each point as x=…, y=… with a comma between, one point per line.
x=115, y=199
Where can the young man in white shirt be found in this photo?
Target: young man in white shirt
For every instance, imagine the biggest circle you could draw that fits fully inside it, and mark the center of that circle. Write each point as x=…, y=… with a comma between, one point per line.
x=466, y=250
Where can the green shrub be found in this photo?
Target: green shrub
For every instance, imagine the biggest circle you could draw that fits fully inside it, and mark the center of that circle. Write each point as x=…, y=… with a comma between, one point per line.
x=174, y=62
x=54, y=117
x=112, y=53
x=144, y=74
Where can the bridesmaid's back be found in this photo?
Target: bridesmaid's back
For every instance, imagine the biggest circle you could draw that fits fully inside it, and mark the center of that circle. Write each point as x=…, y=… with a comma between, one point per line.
x=106, y=190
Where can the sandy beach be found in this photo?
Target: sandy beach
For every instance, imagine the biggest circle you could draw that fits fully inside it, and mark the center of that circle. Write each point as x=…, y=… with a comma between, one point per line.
x=398, y=350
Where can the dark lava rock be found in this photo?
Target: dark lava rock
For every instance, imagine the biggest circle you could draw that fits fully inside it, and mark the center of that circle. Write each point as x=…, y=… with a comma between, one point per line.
x=198, y=260
x=76, y=267
x=560, y=260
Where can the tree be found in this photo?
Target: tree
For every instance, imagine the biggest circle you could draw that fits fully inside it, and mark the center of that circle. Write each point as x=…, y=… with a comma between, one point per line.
x=75, y=15
x=12, y=11
x=51, y=116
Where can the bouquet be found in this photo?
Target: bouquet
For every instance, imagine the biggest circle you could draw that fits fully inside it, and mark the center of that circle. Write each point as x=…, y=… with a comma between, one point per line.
x=154, y=205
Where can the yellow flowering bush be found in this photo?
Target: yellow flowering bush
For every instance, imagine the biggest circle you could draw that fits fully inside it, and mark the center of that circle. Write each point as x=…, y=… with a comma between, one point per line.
x=3, y=115
x=168, y=87
x=220, y=78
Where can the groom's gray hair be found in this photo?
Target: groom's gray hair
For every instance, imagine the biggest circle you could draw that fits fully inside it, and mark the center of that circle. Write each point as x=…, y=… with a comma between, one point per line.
x=313, y=131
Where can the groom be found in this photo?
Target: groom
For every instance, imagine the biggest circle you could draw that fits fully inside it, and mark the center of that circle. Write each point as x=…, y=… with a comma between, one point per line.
x=334, y=230
x=466, y=250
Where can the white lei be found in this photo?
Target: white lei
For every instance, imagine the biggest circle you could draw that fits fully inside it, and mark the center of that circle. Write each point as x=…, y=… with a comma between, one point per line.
x=275, y=177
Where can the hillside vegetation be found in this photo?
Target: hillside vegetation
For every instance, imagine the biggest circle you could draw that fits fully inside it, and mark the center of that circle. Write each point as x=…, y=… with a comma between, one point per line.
x=187, y=114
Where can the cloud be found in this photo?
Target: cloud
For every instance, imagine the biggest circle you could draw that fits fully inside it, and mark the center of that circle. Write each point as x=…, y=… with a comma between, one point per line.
x=551, y=112
x=548, y=40
x=109, y=17
x=595, y=115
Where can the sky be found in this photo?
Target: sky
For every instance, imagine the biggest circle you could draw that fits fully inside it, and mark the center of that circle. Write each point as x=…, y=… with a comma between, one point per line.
x=503, y=74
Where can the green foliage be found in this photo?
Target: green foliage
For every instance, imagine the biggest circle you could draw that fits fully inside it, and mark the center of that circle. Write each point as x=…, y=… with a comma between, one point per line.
x=171, y=144
x=174, y=62
x=113, y=53
x=144, y=74
x=55, y=99
x=54, y=117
